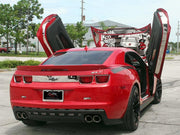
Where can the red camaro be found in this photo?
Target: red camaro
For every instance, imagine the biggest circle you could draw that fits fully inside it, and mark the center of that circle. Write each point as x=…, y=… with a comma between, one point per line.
x=94, y=85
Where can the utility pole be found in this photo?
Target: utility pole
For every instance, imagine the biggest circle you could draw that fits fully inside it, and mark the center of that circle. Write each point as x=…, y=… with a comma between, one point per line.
x=82, y=15
x=82, y=9
x=178, y=37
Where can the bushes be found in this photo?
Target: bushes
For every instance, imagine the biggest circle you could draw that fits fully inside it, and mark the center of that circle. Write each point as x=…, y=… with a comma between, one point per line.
x=15, y=63
x=31, y=63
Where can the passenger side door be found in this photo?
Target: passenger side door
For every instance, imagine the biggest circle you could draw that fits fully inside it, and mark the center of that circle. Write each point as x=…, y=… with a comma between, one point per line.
x=158, y=42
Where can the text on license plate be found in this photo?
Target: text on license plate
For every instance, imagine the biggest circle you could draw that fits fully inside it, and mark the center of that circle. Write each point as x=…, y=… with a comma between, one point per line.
x=53, y=95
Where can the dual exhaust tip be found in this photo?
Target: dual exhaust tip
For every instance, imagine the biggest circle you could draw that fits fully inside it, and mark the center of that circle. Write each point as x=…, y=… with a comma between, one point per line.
x=92, y=119
x=22, y=115
x=88, y=118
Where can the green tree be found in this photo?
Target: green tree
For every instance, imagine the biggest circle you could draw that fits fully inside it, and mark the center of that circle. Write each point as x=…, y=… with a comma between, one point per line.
x=174, y=46
x=6, y=21
x=77, y=32
x=81, y=30
x=28, y=10
x=104, y=27
x=71, y=29
x=18, y=28
x=34, y=28
x=18, y=35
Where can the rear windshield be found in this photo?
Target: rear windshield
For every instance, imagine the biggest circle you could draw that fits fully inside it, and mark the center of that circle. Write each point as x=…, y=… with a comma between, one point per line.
x=78, y=58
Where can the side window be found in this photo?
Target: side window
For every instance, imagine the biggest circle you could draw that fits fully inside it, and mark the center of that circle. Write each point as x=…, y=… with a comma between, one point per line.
x=132, y=59
x=128, y=59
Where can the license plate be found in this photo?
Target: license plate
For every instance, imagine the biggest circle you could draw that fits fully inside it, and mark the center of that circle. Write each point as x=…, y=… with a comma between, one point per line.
x=53, y=95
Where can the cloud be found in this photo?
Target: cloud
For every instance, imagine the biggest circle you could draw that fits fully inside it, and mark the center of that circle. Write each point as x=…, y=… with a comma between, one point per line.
x=59, y=11
x=11, y=2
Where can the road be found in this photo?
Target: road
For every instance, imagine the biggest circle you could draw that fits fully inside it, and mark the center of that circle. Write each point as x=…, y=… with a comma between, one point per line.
x=2, y=58
x=160, y=119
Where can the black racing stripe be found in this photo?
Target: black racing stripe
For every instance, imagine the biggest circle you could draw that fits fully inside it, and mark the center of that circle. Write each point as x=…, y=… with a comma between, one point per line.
x=118, y=69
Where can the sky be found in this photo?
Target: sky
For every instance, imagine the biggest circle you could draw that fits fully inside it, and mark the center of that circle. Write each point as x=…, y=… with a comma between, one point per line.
x=136, y=13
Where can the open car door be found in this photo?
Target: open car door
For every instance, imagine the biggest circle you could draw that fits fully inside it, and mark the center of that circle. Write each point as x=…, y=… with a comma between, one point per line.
x=52, y=35
x=158, y=42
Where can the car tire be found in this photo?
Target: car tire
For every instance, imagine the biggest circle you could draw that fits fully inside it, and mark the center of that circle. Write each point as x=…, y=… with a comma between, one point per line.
x=2, y=51
x=33, y=122
x=132, y=115
x=158, y=93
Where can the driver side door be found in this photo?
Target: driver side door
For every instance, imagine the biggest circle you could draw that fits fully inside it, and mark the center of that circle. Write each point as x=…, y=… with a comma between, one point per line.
x=52, y=35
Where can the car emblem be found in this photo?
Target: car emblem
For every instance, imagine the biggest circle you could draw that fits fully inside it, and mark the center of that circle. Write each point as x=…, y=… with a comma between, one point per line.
x=52, y=78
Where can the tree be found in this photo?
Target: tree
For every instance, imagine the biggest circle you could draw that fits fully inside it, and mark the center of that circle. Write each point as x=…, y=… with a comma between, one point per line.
x=18, y=35
x=77, y=32
x=18, y=28
x=34, y=28
x=71, y=30
x=104, y=27
x=28, y=10
x=173, y=46
x=81, y=30
x=6, y=21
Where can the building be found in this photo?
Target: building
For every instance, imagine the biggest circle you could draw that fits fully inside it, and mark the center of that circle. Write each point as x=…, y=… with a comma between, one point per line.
x=108, y=23
x=88, y=36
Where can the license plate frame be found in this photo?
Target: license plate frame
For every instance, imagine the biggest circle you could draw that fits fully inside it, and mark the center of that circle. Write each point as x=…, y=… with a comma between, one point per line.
x=53, y=95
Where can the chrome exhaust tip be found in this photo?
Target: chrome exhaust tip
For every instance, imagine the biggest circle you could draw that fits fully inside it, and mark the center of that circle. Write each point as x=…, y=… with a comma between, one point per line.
x=96, y=119
x=19, y=116
x=88, y=119
x=24, y=115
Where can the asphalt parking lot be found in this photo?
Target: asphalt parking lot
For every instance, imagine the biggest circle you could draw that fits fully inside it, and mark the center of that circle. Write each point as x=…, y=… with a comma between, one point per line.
x=161, y=119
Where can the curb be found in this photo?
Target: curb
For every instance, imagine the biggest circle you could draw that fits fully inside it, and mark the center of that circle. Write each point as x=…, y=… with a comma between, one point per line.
x=8, y=69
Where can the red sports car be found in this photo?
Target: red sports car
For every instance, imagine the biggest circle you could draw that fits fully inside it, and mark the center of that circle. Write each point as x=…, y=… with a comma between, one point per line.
x=94, y=85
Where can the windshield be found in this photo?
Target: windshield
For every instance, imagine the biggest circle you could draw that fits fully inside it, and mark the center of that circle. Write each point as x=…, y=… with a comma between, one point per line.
x=78, y=58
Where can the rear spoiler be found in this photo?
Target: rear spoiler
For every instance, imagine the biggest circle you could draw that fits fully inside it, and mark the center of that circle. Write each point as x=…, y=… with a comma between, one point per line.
x=42, y=68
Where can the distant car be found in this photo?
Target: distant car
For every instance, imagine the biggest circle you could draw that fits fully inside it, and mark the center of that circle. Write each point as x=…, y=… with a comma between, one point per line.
x=4, y=49
x=30, y=49
x=93, y=85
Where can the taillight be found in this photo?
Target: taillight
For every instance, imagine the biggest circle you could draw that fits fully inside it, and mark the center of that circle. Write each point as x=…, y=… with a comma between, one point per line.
x=17, y=78
x=28, y=79
x=102, y=78
x=85, y=79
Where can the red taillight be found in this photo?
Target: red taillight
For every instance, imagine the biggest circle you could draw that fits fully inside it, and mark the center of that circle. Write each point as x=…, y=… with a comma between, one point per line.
x=28, y=79
x=17, y=78
x=85, y=79
x=102, y=79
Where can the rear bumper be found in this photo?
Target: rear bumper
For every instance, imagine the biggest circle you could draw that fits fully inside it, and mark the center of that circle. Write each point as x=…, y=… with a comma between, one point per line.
x=42, y=114
x=112, y=99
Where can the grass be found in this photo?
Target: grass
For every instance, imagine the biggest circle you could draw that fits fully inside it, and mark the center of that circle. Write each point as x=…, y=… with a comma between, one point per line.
x=30, y=54
x=169, y=58
x=14, y=63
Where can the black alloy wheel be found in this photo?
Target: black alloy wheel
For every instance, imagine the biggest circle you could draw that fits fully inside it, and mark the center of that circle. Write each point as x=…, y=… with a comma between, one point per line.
x=136, y=106
x=132, y=115
x=158, y=93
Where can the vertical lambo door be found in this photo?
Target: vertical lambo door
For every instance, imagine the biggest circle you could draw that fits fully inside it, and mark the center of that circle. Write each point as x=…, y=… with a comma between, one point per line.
x=158, y=42
x=53, y=35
